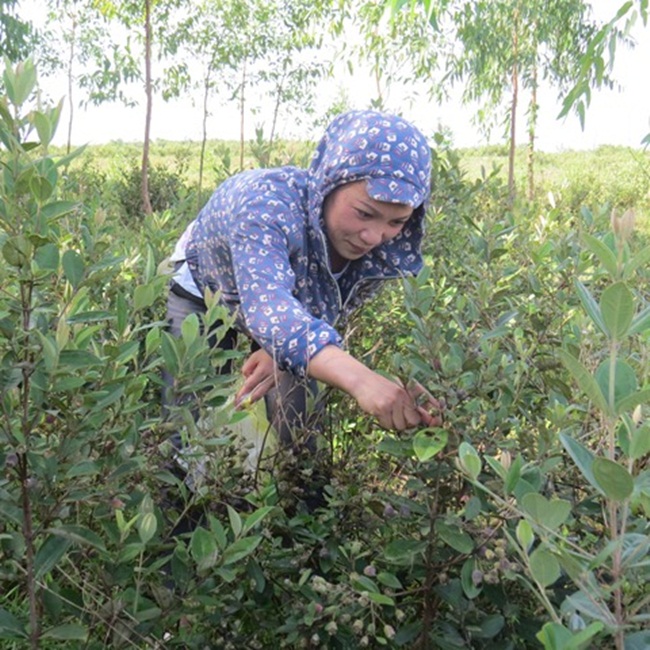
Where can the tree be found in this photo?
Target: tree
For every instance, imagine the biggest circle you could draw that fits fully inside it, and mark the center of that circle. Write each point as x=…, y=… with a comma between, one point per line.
x=597, y=61
x=78, y=39
x=238, y=43
x=16, y=34
x=401, y=48
x=509, y=44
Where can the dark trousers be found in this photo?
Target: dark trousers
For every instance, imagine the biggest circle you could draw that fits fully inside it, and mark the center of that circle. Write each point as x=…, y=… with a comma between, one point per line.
x=290, y=405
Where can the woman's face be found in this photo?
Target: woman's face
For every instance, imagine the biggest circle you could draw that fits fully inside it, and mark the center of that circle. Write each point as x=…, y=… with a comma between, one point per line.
x=356, y=223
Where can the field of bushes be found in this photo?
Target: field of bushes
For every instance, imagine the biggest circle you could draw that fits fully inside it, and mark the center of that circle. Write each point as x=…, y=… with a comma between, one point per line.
x=522, y=522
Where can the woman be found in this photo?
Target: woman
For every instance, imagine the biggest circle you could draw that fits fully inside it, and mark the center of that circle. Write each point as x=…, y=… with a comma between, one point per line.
x=293, y=251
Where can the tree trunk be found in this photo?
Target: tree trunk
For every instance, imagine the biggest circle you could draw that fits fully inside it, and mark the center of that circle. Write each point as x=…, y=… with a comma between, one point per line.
x=242, y=105
x=146, y=201
x=204, y=135
x=513, y=107
x=276, y=110
x=532, y=125
x=73, y=36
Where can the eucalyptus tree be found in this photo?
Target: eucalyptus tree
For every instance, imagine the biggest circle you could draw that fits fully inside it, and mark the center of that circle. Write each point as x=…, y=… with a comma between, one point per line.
x=399, y=49
x=509, y=44
x=297, y=56
x=597, y=60
x=147, y=30
x=219, y=38
x=239, y=44
x=80, y=39
x=16, y=33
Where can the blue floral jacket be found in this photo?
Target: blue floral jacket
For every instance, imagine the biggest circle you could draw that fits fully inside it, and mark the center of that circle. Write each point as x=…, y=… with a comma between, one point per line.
x=261, y=242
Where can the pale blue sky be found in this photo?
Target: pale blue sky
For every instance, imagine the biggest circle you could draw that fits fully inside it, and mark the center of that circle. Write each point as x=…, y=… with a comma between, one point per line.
x=619, y=117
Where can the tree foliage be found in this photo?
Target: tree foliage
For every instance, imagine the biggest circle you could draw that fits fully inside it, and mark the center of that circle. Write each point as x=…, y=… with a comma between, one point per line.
x=16, y=34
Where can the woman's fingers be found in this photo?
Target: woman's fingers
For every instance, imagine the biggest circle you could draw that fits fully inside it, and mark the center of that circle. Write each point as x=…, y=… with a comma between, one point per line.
x=259, y=372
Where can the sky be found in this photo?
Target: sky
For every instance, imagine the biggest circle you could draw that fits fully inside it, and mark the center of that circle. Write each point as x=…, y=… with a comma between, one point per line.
x=619, y=116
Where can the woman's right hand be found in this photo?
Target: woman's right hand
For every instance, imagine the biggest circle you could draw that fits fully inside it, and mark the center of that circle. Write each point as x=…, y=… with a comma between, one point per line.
x=394, y=406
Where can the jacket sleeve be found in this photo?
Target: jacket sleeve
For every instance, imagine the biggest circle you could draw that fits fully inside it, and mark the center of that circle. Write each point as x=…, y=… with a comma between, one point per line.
x=261, y=258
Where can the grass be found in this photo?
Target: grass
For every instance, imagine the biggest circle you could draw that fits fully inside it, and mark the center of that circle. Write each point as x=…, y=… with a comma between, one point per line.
x=611, y=176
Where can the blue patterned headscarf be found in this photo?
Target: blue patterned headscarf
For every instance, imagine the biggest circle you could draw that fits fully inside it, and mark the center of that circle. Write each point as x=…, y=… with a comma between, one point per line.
x=384, y=149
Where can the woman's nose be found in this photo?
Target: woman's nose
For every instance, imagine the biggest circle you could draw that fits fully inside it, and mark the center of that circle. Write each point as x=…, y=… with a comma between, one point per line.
x=372, y=236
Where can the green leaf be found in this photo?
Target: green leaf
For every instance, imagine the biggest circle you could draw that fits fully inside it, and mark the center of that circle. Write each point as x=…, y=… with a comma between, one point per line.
x=617, y=308
x=143, y=296
x=17, y=251
x=403, y=549
x=57, y=209
x=615, y=481
x=389, y=580
x=363, y=583
x=591, y=306
x=554, y=636
x=632, y=401
x=235, y=521
x=592, y=605
x=426, y=446
x=90, y=317
x=637, y=640
x=513, y=475
x=640, y=442
x=40, y=187
x=50, y=352
x=381, y=599
x=47, y=257
x=256, y=517
x=20, y=84
x=203, y=545
x=79, y=358
x=10, y=626
x=640, y=260
x=625, y=381
x=544, y=567
x=50, y=552
x=525, y=535
x=240, y=549
x=147, y=526
x=641, y=322
x=491, y=626
x=67, y=632
x=190, y=329
x=80, y=535
x=170, y=353
x=470, y=589
x=453, y=536
x=73, y=267
x=550, y=514
x=582, y=457
x=585, y=381
x=83, y=468
x=603, y=252
x=469, y=460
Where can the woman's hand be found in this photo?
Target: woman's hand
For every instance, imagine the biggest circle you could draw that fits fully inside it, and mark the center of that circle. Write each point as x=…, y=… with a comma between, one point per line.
x=394, y=406
x=259, y=372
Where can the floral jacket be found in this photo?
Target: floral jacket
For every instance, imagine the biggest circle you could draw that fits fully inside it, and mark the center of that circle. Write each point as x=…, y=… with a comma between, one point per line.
x=261, y=242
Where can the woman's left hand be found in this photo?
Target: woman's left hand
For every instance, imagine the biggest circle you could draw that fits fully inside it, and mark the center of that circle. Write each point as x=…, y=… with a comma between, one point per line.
x=259, y=372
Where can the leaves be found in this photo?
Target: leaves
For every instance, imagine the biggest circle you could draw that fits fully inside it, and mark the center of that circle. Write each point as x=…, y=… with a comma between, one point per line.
x=428, y=442
x=544, y=567
x=548, y=513
x=582, y=457
x=614, y=480
x=617, y=309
